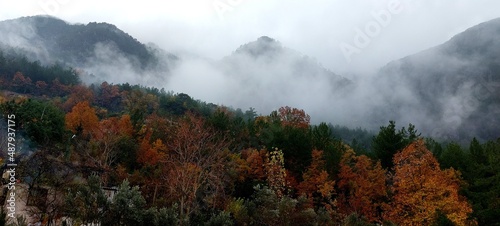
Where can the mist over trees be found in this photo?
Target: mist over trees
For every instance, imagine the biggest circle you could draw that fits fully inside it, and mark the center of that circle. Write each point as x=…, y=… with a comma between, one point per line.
x=188, y=162
x=174, y=160
x=446, y=91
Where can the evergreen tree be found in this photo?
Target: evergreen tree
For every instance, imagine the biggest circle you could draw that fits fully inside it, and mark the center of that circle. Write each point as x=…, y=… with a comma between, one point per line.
x=389, y=141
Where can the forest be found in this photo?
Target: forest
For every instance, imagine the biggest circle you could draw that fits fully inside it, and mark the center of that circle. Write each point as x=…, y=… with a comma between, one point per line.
x=174, y=160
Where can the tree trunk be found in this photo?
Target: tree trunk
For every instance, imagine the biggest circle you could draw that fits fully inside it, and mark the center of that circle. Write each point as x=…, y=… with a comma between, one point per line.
x=154, y=194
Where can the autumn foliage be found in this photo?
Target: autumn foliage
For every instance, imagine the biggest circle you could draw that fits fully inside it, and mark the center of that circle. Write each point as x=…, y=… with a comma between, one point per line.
x=79, y=94
x=276, y=172
x=421, y=189
x=362, y=186
x=316, y=181
x=294, y=117
x=195, y=160
x=254, y=164
x=82, y=119
x=151, y=154
x=200, y=164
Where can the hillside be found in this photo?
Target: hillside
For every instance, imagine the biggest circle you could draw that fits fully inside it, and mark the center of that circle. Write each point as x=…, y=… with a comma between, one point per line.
x=453, y=87
x=93, y=47
x=126, y=154
x=270, y=55
x=450, y=91
x=265, y=74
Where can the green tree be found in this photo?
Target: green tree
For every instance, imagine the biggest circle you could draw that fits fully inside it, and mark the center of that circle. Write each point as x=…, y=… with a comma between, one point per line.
x=139, y=104
x=322, y=136
x=267, y=208
x=87, y=203
x=389, y=141
x=477, y=152
x=161, y=217
x=221, y=219
x=127, y=207
x=42, y=122
x=355, y=219
x=435, y=147
x=483, y=177
x=453, y=156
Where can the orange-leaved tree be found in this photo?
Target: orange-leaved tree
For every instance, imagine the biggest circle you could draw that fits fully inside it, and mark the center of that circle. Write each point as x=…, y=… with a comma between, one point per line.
x=294, y=117
x=362, y=186
x=316, y=184
x=318, y=187
x=82, y=120
x=254, y=160
x=79, y=93
x=421, y=190
x=150, y=154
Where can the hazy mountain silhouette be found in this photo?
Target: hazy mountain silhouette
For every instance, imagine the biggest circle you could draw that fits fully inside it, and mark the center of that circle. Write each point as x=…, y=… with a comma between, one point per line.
x=451, y=91
x=454, y=86
x=90, y=47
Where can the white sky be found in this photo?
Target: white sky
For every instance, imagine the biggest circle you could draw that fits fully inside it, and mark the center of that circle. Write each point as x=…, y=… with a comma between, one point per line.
x=315, y=27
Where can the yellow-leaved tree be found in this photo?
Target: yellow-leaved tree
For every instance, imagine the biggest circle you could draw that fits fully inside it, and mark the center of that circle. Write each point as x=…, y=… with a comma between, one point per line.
x=421, y=190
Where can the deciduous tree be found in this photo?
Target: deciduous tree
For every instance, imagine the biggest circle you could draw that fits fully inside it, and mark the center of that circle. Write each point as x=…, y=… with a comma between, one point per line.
x=255, y=160
x=21, y=83
x=82, y=119
x=109, y=96
x=105, y=143
x=79, y=93
x=421, y=190
x=275, y=172
x=362, y=186
x=194, y=165
x=151, y=154
x=316, y=180
x=294, y=117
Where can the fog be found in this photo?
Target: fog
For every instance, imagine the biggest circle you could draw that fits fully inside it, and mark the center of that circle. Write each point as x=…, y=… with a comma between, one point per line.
x=275, y=76
x=320, y=43
x=451, y=90
x=315, y=28
x=109, y=64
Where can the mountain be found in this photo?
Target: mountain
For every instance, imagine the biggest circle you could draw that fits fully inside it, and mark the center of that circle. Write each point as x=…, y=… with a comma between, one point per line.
x=262, y=74
x=268, y=53
x=89, y=47
x=267, y=75
x=453, y=89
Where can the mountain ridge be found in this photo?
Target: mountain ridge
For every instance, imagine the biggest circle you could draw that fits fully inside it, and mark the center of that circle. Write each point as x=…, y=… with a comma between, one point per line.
x=447, y=90
x=453, y=83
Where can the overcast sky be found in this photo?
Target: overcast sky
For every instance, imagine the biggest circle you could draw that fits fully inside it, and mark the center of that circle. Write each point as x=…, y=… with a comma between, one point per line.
x=318, y=28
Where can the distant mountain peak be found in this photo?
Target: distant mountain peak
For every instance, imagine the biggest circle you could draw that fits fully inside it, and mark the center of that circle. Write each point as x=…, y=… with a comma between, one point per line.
x=98, y=48
x=268, y=58
x=74, y=43
x=39, y=18
x=263, y=46
x=265, y=39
